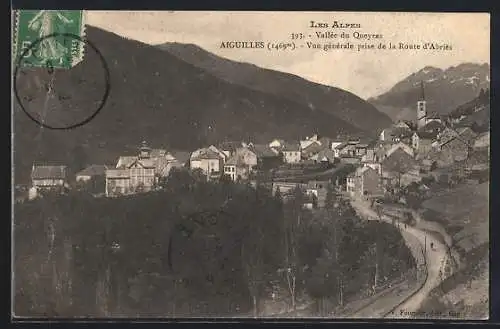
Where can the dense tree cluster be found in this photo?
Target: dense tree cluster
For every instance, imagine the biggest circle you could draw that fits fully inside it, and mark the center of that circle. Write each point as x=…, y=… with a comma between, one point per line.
x=192, y=248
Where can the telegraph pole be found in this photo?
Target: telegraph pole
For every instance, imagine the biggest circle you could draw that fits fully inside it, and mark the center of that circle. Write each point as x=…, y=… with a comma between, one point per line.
x=425, y=245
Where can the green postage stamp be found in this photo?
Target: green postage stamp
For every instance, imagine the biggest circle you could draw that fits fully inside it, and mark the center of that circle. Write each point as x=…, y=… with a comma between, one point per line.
x=49, y=38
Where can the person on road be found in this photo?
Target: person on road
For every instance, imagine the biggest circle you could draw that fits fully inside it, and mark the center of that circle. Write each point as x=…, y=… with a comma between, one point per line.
x=432, y=245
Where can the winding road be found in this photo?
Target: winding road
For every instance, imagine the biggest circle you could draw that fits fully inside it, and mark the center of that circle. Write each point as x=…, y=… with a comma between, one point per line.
x=434, y=259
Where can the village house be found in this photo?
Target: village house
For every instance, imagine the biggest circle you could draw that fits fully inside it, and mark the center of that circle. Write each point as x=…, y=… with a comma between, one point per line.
x=209, y=161
x=326, y=156
x=402, y=124
x=93, y=177
x=292, y=152
x=395, y=134
x=92, y=171
x=267, y=157
x=455, y=145
x=335, y=143
x=277, y=144
x=338, y=149
x=308, y=141
x=398, y=162
x=241, y=164
x=371, y=153
x=317, y=190
x=215, y=149
x=47, y=177
x=433, y=127
x=249, y=158
x=360, y=149
x=286, y=188
x=422, y=142
x=348, y=150
x=236, y=169
x=400, y=146
x=142, y=172
x=311, y=150
x=365, y=181
x=117, y=182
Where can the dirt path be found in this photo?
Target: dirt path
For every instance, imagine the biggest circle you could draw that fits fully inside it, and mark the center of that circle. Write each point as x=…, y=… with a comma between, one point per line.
x=434, y=258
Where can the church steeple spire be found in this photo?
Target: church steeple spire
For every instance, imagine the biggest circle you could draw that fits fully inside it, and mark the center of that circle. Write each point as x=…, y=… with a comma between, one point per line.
x=422, y=91
x=421, y=108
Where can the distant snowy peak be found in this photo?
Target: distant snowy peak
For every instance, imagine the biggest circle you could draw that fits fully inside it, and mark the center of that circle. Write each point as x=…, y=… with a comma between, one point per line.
x=445, y=89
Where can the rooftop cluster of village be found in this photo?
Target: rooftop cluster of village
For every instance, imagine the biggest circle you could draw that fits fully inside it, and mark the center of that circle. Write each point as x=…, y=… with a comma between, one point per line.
x=403, y=153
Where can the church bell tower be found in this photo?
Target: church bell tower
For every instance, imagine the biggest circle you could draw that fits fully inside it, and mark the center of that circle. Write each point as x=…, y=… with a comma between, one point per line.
x=421, y=109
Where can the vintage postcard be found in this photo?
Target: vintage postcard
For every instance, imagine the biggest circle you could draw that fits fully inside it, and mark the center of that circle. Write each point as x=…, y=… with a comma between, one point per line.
x=176, y=164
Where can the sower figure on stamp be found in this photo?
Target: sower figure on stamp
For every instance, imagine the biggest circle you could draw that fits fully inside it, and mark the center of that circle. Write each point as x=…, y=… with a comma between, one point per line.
x=45, y=22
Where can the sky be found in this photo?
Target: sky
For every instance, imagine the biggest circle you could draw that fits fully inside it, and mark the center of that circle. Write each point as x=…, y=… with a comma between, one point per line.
x=365, y=73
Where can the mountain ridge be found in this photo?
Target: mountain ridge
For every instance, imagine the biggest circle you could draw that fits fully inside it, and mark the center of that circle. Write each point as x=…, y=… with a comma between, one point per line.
x=343, y=104
x=445, y=90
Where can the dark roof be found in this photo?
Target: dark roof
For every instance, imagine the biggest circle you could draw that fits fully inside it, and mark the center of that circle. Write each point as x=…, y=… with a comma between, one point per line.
x=399, y=161
x=434, y=115
x=422, y=92
x=229, y=146
x=427, y=134
x=291, y=147
x=262, y=151
x=47, y=172
x=207, y=154
x=328, y=153
x=93, y=170
x=341, y=146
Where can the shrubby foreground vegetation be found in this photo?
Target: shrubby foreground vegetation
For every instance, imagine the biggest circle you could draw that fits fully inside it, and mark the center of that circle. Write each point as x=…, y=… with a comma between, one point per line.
x=192, y=249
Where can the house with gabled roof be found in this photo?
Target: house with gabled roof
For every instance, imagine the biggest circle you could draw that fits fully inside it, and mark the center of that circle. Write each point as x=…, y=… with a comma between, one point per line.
x=94, y=177
x=396, y=164
x=117, y=182
x=308, y=141
x=455, y=145
x=141, y=172
x=338, y=149
x=400, y=146
x=209, y=161
x=364, y=181
x=292, y=152
x=311, y=150
x=45, y=177
x=326, y=155
x=267, y=157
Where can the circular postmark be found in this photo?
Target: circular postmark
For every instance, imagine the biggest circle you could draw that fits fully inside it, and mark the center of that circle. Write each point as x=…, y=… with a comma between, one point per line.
x=61, y=98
